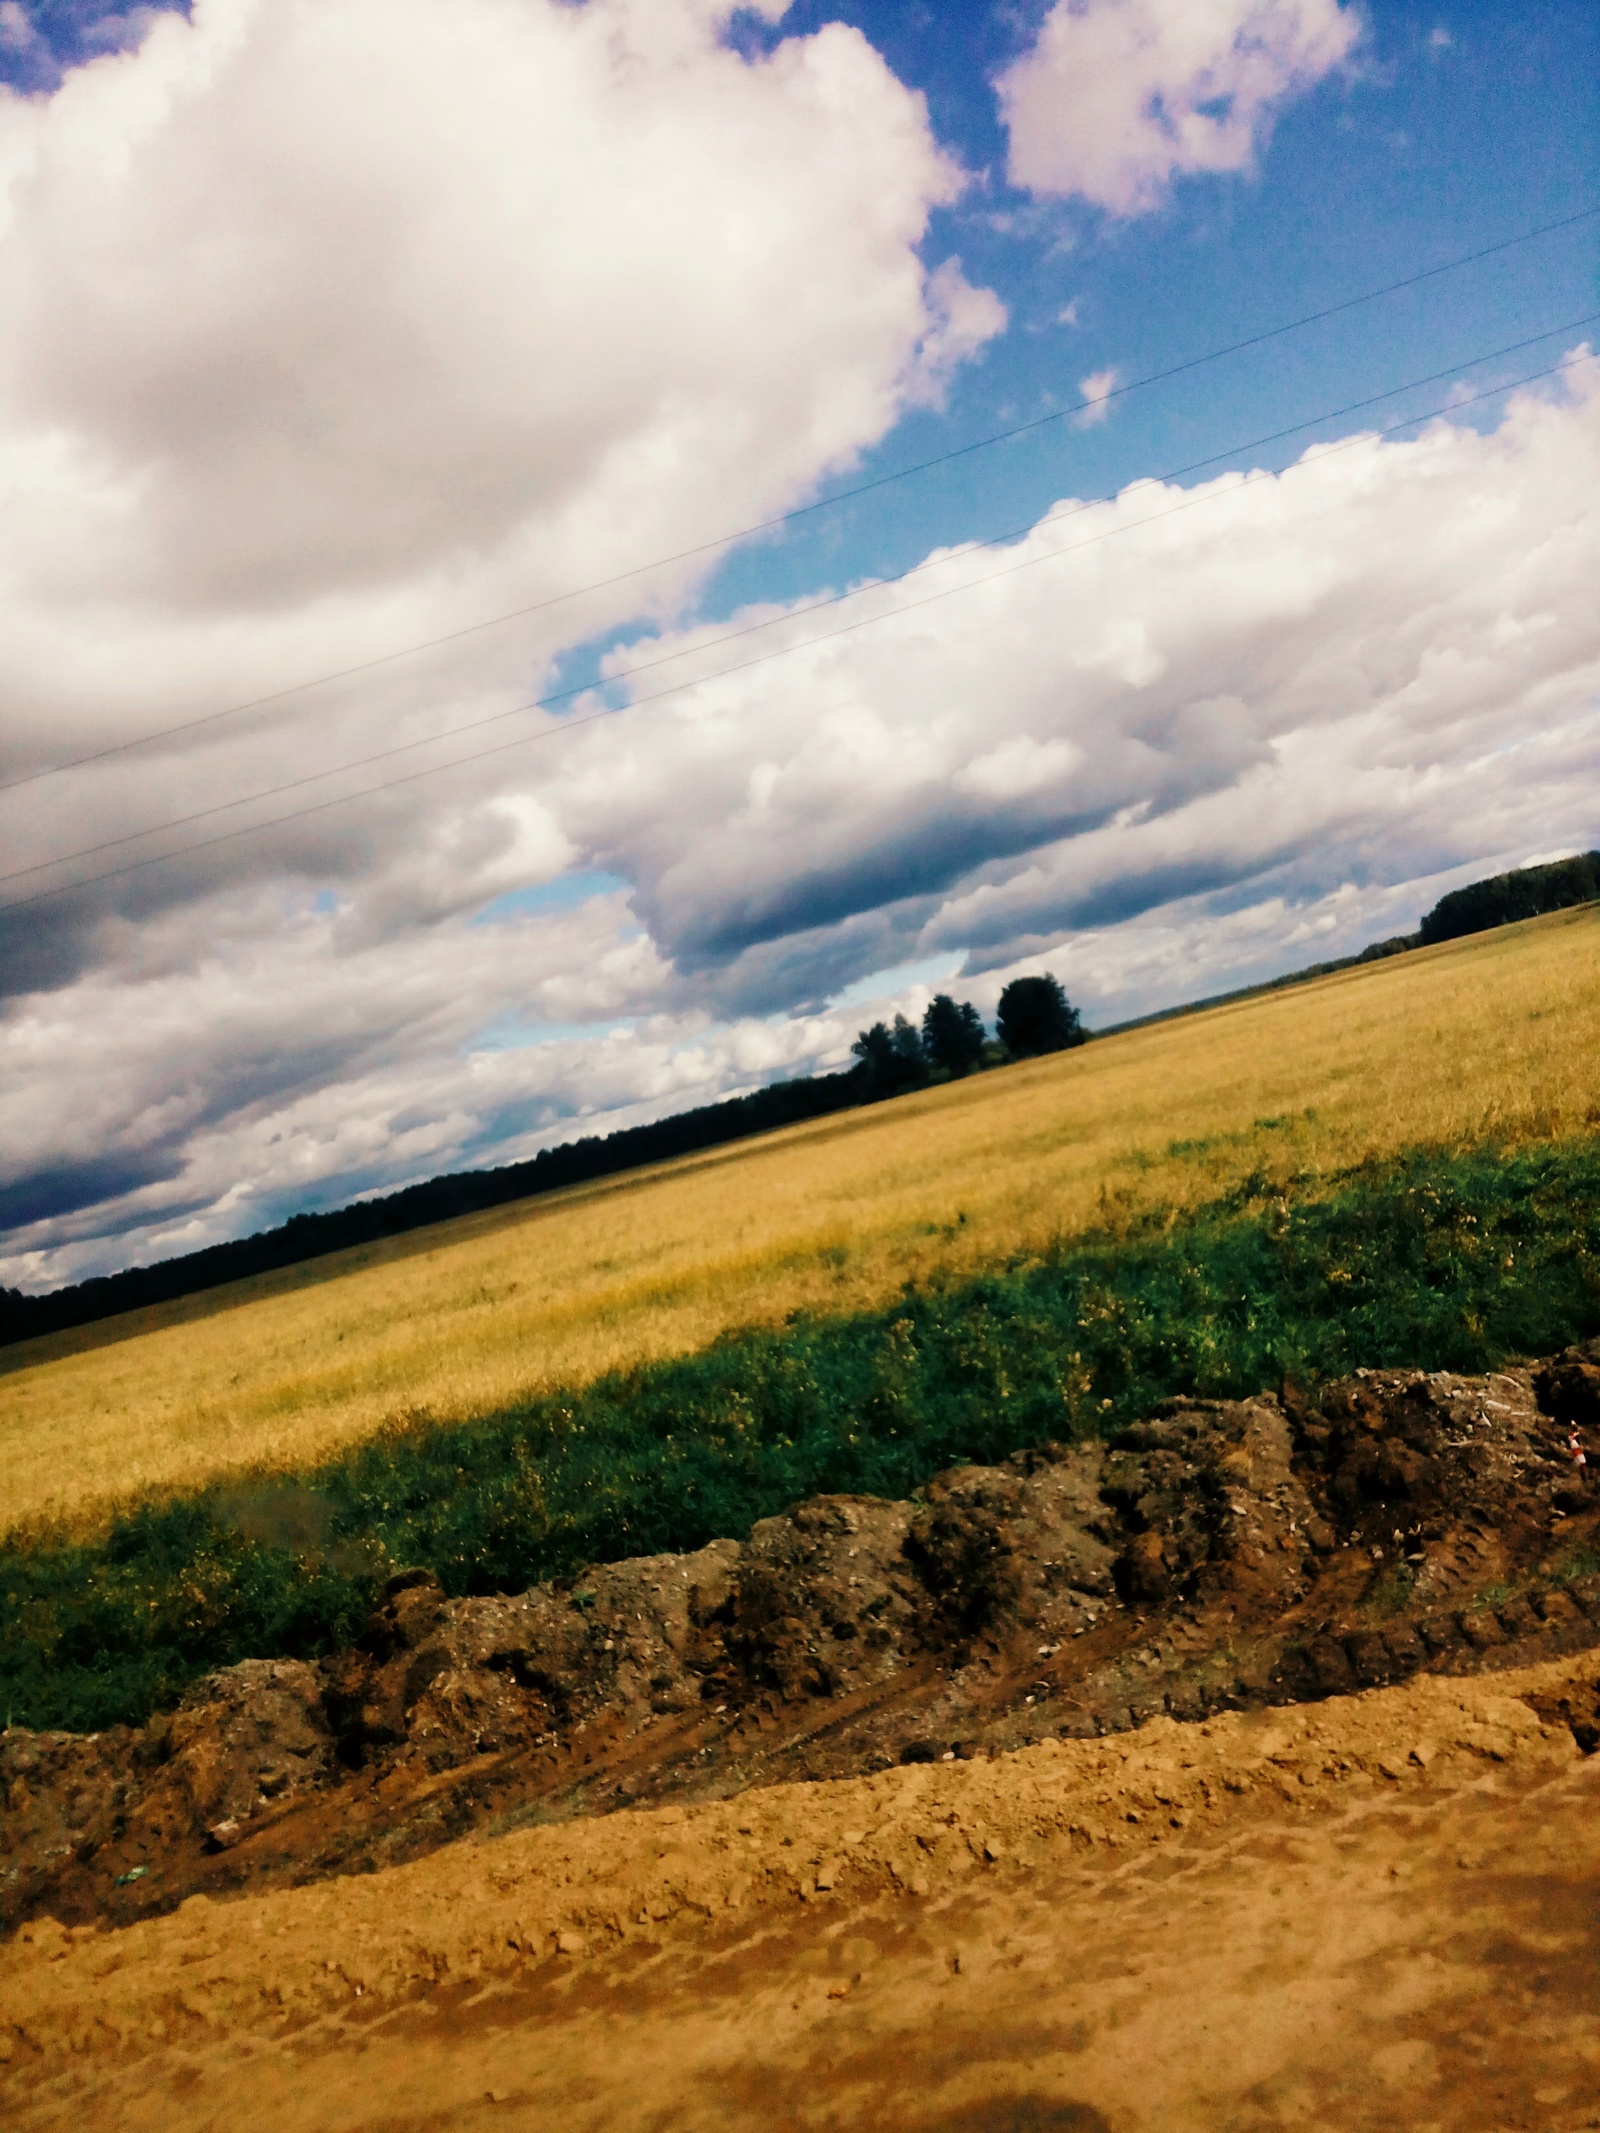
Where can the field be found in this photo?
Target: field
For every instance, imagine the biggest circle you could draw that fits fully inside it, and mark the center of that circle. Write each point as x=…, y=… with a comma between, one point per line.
x=1487, y=1041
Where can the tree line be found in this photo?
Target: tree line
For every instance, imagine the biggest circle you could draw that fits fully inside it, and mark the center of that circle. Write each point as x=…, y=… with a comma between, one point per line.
x=1526, y=892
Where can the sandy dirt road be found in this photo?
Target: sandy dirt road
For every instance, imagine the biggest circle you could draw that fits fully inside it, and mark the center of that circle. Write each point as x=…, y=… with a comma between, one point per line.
x=1382, y=1912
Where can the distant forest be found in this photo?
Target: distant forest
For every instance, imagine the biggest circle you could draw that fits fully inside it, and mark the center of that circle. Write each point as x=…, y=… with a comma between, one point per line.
x=1528, y=893
x=1034, y=1017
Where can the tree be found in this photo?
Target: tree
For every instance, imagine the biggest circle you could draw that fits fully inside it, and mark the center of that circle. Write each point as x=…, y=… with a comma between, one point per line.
x=953, y=1035
x=893, y=1058
x=1036, y=1016
x=875, y=1049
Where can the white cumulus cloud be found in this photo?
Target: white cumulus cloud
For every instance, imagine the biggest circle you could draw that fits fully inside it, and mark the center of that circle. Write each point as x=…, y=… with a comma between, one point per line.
x=1097, y=389
x=1116, y=98
x=329, y=325
x=1379, y=663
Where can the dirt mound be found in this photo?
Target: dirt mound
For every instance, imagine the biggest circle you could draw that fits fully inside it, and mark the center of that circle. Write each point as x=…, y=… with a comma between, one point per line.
x=554, y=1964
x=1221, y=1556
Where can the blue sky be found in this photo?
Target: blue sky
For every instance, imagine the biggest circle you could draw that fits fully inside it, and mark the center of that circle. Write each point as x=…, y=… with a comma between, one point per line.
x=1428, y=150
x=329, y=327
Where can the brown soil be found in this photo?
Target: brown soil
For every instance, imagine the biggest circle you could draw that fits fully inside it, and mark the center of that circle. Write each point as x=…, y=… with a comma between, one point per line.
x=1374, y=1912
x=1089, y=1725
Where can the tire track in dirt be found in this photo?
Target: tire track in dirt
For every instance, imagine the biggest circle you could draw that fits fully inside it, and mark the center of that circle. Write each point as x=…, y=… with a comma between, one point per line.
x=709, y=1943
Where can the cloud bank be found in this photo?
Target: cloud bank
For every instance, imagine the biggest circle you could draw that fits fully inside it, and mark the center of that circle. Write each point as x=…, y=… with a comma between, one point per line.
x=1161, y=745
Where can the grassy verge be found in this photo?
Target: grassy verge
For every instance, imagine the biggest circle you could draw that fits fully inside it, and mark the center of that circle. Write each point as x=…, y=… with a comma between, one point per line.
x=1438, y=1261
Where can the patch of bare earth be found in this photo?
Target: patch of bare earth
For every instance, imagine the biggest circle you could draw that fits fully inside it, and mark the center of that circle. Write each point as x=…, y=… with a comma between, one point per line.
x=1108, y=1836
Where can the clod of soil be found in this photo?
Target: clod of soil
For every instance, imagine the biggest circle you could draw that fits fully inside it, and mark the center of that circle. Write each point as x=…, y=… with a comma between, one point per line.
x=1221, y=1555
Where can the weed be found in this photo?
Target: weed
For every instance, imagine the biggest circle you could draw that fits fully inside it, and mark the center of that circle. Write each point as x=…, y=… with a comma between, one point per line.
x=1391, y=1589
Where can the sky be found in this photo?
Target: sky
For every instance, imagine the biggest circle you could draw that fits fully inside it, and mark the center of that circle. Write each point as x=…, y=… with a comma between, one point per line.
x=557, y=557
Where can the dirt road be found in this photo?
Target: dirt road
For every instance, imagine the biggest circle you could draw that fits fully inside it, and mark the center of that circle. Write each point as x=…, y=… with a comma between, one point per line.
x=1379, y=1911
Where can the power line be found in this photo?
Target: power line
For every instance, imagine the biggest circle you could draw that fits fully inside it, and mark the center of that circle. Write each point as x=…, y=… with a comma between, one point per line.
x=786, y=518
x=761, y=659
x=770, y=622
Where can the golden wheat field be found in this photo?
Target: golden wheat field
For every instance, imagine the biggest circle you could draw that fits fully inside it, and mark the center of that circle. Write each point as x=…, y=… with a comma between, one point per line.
x=1490, y=1039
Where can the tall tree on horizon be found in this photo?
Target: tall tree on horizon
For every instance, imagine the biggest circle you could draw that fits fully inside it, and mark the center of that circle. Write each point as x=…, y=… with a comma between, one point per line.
x=893, y=1057
x=1036, y=1016
x=953, y=1035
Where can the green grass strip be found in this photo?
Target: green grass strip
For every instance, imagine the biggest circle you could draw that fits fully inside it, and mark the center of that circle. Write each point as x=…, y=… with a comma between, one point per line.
x=1442, y=1262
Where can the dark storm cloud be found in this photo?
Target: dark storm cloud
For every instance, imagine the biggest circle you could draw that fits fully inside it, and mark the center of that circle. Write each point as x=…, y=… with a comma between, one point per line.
x=52, y=1195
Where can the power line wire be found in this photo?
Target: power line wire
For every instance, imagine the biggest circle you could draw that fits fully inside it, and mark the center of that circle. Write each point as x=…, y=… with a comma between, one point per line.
x=743, y=666
x=786, y=518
